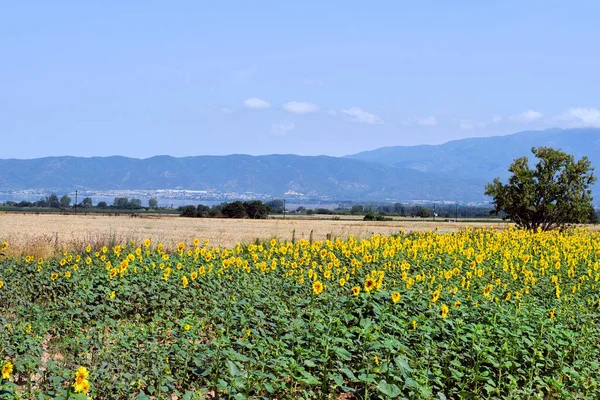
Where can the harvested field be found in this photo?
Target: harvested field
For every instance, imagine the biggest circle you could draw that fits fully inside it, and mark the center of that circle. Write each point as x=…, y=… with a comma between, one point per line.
x=45, y=234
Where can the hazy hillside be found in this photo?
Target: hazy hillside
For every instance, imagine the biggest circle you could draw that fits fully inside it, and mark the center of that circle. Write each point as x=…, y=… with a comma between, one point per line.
x=338, y=178
x=455, y=171
x=483, y=159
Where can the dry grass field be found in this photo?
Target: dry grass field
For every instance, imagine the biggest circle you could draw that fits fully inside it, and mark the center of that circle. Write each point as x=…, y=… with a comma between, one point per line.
x=45, y=234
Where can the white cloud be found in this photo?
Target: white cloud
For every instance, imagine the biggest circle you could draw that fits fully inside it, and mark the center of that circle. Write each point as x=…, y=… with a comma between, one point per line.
x=429, y=121
x=582, y=117
x=299, y=107
x=496, y=118
x=226, y=110
x=527, y=116
x=282, y=129
x=254, y=102
x=360, y=115
x=332, y=113
x=468, y=124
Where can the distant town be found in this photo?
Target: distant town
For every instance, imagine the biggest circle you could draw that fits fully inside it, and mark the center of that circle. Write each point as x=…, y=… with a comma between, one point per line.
x=176, y=197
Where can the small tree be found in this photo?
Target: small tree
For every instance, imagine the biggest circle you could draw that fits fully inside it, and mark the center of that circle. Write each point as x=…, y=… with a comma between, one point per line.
x=276, y=206
x=52, y=201
x=552, y=195
x=121, y=203
x=42, y=202
x=188, y=211
x=65, y=201
x=256, y=209
x=87, y=202
x=134, y=204
x=153, y=203
x=356, y=209
x=102, y=204
x=234, y=210
x=421, y=212
x=202, y=210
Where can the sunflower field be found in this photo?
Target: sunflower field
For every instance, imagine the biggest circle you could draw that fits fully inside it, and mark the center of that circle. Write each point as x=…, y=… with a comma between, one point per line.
x=479, y=314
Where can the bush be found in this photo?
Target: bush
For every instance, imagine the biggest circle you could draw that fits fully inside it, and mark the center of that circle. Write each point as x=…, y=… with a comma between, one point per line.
x=234, y=210
x=188, y=211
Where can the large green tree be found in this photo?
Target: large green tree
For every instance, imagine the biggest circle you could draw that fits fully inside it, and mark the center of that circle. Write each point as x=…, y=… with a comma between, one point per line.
x=553, y=194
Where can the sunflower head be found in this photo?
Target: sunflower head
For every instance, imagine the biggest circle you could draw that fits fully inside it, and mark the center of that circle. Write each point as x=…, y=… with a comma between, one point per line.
x=444, y=311
x=370, y=284
x=81, y=374
x=317, y=287
x=7, y=369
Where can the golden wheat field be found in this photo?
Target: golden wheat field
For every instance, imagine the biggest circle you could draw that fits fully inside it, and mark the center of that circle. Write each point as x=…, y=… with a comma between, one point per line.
x=45, y=234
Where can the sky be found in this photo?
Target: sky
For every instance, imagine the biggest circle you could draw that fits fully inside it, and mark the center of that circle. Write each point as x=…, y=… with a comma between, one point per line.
x=185, y=78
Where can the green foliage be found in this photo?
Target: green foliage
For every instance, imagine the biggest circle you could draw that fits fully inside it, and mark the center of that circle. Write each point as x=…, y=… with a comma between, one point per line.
x=120, y=202
x=374, y=217
x=276, y=206
x=134, y=204
x=52, y=201
x=65, y=201
x=87, y=202
x=235, y=209
x=123, y=203
x=253, y=330
x=189, y=211
x=153, y=203
x=552, y=195
x=202, y=210
x=421, y=212
x=256, y=209
x=249, y=209
x=356, y=209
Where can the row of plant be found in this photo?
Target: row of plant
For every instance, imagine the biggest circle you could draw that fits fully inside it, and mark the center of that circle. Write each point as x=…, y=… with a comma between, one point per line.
x=471, y=314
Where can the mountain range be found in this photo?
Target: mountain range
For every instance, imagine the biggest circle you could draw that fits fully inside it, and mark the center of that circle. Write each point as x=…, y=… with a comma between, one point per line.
x=453, y=171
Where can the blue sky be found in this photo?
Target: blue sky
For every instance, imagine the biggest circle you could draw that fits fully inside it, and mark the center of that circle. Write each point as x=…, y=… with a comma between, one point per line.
x=142, y=78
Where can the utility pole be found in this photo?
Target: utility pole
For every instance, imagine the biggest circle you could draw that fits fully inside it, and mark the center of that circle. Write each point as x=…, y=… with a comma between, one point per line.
x=283, y=208
x=456, y=218
x=76, y=202
x=433, y=212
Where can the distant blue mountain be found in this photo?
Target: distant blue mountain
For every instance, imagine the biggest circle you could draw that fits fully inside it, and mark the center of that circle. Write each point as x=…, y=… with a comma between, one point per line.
x=454, y=171
x=486, y=157
x=272, y=175
x=482, y=159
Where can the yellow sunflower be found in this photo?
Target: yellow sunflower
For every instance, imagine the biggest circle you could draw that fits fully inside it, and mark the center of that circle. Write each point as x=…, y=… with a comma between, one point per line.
x=317, y=287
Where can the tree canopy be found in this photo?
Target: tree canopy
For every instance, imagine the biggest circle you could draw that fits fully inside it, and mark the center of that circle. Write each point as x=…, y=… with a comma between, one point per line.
x=65, y=201
x=555, y=193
